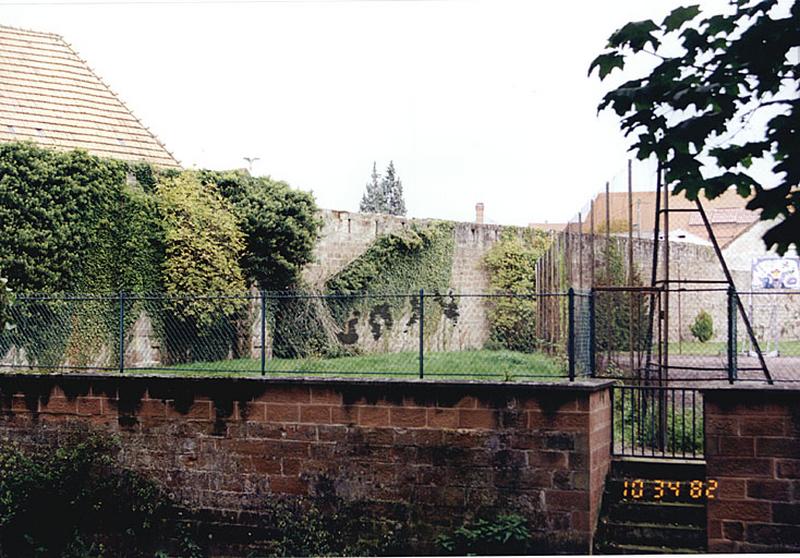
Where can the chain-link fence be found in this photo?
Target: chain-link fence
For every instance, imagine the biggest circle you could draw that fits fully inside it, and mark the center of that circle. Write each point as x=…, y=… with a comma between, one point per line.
x=420, y=334
x=641, y=334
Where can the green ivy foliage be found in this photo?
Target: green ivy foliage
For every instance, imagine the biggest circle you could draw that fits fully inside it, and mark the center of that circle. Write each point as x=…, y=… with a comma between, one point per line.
x=52, y=207
x=75, y=501
x=615, y=311
x=396, y=263
x=511, y=263
x=202, y=247
x=405, y=261
x=71, y=222
x=504, y=535
x=419, y=257
x=280, y=226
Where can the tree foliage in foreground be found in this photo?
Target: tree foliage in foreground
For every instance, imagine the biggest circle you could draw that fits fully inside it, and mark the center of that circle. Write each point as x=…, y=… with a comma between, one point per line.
x=689, y=109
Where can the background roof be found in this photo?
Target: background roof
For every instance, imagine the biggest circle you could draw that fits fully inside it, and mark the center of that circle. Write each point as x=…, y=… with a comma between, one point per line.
x=50, y=96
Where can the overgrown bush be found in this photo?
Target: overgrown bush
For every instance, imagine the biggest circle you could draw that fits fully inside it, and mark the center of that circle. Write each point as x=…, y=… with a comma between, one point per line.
x=331, y=527
x=703, y=326
x=511, y=263
x=617, y=311
x=77, y=501
x=505, y=535
x=280, y=226
x=70, y=222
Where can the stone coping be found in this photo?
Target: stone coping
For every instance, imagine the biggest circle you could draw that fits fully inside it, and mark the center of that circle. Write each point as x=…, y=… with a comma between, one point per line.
x=585, y=384
x=757, y=387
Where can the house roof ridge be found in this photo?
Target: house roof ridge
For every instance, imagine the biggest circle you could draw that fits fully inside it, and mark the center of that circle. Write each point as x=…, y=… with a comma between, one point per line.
x=46, y=73
x=31, y=31
x=121, y=102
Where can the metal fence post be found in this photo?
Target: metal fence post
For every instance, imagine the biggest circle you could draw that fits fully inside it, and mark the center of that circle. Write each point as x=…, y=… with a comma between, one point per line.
x=571, y=333
x=121, y=332
x=263, y=334
x=732, y=349
x=592, y=334
x=421, y=331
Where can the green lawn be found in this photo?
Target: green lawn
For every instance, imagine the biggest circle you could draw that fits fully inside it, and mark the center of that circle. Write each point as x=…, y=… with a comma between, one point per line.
x=714, y=348
x=483, y=364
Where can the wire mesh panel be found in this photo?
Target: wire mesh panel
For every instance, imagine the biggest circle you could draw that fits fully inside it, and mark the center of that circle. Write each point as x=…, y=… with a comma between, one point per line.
x=421, y=334
x=625, y=340
x=343, y=334
x=775, y=319
x=583, y=333
x=679, y=335
x=490, y=336
x=213, y=333
x=697, y=341
x=62, y=332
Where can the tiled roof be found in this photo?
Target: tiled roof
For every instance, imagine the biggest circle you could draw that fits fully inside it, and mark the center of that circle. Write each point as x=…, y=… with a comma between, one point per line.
x=50, y=96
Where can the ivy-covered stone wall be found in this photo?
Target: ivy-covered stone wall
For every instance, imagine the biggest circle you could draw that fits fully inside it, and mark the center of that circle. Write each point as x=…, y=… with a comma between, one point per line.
x=389, y=254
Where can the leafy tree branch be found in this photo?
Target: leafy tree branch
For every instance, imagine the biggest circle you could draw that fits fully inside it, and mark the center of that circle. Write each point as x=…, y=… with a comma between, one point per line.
x=715, y=72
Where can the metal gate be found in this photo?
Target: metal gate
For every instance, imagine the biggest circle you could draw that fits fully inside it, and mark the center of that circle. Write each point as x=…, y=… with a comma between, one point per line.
x=653, y=421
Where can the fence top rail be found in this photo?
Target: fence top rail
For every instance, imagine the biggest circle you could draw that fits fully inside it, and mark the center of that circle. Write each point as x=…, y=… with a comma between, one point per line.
x=662, y=388
x=32, y=297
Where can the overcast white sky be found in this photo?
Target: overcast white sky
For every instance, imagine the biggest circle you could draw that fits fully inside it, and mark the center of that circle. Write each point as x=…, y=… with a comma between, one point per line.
x=474, y=100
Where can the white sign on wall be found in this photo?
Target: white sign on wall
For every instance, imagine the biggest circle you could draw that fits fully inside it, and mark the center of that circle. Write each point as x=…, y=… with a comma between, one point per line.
x=772, y=272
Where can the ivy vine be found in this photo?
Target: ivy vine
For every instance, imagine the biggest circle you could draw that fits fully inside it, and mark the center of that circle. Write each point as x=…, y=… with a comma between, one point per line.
x=71, y=222
x=511, y=263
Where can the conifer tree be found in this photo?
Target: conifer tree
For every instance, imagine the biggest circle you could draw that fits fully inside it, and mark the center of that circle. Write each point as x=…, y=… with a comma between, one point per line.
x=373, y=200
x=393, y=191
x=384, y=194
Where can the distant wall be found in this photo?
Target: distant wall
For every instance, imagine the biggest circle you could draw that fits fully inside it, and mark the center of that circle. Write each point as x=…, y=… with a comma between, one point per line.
x=345, y=236
x=773, y=316
x=430, y=455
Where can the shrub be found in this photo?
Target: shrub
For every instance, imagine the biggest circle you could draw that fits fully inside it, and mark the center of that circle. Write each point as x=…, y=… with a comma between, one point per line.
x=328, y=526
x=512, y=269
x=203, y=246
x=280, y=226
x=616, y=311
x=77, y=501
x=703, y=326
x=506, y=535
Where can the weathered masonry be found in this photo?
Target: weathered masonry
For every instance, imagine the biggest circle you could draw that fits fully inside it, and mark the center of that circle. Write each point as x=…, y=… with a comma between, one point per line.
x=436, y=453
x=430, y=454
x=753, y=450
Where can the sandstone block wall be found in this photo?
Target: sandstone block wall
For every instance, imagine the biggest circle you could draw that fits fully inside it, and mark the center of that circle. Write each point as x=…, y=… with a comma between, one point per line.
x=431, y=454
x=345, y=236
x=753, y=451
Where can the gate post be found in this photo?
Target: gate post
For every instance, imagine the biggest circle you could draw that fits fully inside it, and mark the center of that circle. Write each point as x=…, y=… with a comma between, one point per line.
x=592, y=334
x=732, y=348
x=571, y=333
x=121, y=332
x=263, y=333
